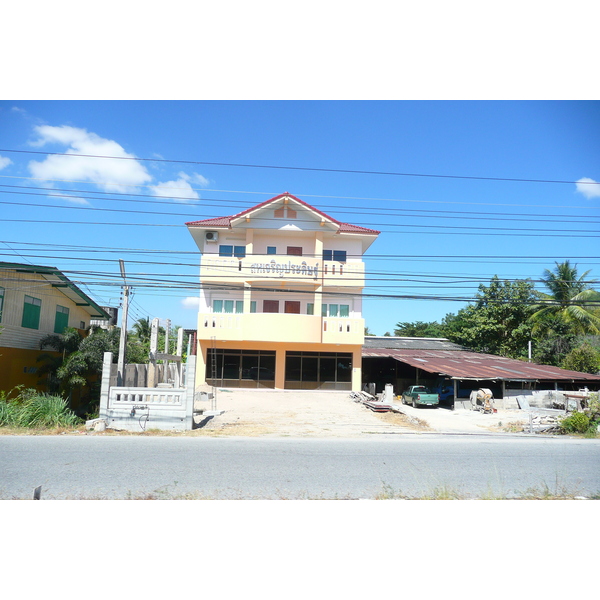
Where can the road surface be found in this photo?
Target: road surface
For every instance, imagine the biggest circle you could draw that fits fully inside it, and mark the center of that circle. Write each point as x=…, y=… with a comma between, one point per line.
x=413, y=465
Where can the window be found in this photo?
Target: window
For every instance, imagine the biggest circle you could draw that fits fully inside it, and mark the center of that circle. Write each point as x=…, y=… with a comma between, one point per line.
x=253, y=306
x=228, y=250
x=228, y=306
x=31, y=313
x=270, y=306
x=283, y=212
x=294, y=251
x=271, y=250
x=310, y=308
x=292, y=307
x=335, y=310
x=337, y=255
x=61, y=320
x=1, y=302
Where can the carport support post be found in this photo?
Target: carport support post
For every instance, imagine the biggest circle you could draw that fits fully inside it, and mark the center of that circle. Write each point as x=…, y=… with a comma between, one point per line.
x=455, y=384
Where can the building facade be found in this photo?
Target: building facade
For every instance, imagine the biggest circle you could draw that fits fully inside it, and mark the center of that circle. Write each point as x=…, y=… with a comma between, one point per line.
x=36, y=301
x=281, y=298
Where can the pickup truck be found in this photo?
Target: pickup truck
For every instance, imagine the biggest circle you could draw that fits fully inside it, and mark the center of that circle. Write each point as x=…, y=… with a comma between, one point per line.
x=419, y=395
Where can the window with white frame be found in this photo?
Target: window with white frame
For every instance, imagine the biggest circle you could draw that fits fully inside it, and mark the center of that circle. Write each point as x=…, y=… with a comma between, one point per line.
x=335, y=310
x=228, y=306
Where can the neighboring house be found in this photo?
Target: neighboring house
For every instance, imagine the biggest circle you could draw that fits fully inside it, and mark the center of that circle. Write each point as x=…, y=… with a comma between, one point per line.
x=281, y=298
x=36, y=301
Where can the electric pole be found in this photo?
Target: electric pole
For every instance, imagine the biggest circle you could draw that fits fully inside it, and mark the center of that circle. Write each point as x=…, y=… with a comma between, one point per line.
x=123, y=338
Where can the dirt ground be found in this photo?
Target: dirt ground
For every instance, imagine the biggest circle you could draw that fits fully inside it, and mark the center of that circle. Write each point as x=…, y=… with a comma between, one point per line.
x=333, y=414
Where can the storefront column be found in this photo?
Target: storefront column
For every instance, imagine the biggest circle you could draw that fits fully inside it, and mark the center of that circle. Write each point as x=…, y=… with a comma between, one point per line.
x=280, y=369
x=201, y=354
x=357, y=370
x=247, y=298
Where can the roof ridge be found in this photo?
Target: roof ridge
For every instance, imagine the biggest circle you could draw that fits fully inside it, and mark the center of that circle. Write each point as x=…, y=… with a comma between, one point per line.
x=225, y=221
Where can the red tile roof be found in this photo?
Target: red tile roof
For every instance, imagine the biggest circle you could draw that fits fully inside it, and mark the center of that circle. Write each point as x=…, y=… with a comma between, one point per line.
x=226, y=221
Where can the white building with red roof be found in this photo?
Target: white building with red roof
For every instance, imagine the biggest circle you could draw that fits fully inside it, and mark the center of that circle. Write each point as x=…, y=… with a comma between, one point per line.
x=281, y=298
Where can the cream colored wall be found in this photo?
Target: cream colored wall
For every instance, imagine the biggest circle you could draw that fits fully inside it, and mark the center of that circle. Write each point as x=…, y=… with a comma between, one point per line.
x=17, y=286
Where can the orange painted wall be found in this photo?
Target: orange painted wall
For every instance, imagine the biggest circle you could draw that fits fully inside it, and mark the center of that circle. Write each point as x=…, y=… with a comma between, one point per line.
x=14, y=362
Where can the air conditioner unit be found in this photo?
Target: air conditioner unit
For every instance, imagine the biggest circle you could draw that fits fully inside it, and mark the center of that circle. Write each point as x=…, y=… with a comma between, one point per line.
x=211, y=236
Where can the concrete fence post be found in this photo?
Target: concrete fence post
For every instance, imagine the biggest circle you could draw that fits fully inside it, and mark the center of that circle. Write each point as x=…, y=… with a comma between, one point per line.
x=105, y=389
x=190, y=389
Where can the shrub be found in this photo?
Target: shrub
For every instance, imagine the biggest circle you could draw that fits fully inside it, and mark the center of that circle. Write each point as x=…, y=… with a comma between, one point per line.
x=578, y=422
x=35, y=409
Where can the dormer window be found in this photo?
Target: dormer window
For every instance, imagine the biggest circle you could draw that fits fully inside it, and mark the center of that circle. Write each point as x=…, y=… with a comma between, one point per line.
x=285, y=212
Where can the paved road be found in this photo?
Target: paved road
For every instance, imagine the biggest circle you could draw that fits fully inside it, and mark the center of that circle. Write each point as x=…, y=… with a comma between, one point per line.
x=412, y=464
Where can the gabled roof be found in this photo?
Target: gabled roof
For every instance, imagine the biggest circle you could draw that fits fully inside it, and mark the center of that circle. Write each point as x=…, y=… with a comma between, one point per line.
x=439, y=356
x=226, y=222
x=63, y=284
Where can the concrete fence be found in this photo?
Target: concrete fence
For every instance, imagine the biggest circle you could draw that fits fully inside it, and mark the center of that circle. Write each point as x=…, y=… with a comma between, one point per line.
x=141, y=408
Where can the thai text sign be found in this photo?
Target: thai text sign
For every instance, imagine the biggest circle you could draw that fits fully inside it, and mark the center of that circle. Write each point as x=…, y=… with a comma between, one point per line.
x=281, y=269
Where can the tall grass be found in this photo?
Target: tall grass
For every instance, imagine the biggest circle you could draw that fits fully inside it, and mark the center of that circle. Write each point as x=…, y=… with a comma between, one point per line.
x=37, y=410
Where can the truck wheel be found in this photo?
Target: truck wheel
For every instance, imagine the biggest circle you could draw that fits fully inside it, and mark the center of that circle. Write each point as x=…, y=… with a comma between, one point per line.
x=414, y=403
x=403, y=400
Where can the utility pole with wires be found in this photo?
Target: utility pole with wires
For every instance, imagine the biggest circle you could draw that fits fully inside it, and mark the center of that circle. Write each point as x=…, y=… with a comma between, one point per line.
x=123, y=338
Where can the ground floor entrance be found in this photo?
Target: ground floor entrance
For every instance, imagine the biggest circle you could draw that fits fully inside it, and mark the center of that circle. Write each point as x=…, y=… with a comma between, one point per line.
x=257, y=368
x=286, y=367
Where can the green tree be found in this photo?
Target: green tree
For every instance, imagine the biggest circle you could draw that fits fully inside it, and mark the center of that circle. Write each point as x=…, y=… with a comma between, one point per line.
x=584, y=359
x=65, y=344
x=431, y=329
x=552, y=345
x=571, y=301
x=498, y=321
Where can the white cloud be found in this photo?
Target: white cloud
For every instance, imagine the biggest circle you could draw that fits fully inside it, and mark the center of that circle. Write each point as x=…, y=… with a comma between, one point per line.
x=588, y=187
x=69, y=198
x=179, y=189
x=199, y=179
x=191, y=302
x=4, y=162
x=99, y=171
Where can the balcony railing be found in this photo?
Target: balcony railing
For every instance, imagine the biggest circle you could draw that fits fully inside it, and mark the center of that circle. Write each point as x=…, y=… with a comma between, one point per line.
x=280, y=327
x=288, y=268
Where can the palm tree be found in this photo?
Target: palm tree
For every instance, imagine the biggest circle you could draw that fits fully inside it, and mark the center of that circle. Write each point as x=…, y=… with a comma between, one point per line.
x=143, y=329
x=66, y=344
x=571, y=301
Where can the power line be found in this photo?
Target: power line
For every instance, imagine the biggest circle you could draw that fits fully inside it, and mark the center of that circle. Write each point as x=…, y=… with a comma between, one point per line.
x=290, y=168
x=446, y=214
x=243, y=202
x=477, y=230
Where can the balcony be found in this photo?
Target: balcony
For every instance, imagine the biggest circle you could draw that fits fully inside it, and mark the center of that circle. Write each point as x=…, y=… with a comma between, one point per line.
x=280, y=327
x=292, y=269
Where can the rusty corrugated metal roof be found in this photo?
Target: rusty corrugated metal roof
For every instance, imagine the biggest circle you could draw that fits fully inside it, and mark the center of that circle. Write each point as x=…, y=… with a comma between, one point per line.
x=462, y=364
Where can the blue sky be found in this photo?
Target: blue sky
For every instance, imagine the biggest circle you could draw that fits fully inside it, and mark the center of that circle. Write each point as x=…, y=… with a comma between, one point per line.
x=442, y=194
